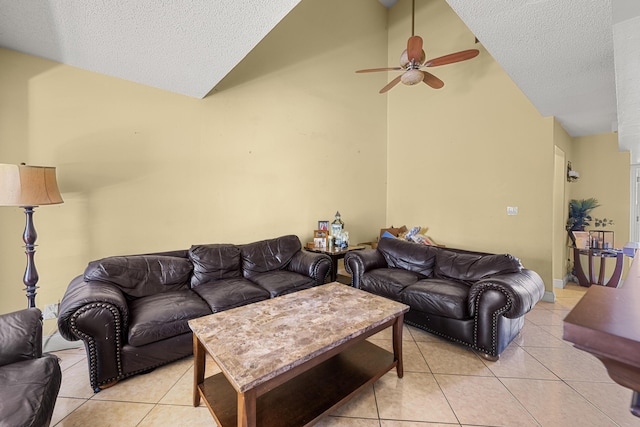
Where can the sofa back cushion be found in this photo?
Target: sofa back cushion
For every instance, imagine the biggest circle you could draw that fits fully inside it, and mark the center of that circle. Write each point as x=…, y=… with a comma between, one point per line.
x=408, y=255
x=268, y=255
x=141, y=275
x=471, y=267
x=214, y=262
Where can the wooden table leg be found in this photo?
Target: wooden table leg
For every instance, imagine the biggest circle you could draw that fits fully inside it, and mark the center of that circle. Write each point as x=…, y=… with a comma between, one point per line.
x=198, y=368
x=592, y=270
x=397, y=344
x=614, y=281
x=247, y=408
x=334, y=267
x=582, y=278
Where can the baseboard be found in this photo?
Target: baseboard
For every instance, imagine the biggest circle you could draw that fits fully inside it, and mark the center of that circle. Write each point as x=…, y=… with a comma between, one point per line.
x=55, y=342
x=549, y=296
x=559, y=283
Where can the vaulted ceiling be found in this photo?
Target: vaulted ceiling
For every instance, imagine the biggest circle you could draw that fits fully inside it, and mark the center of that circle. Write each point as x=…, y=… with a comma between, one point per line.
x=577, y=60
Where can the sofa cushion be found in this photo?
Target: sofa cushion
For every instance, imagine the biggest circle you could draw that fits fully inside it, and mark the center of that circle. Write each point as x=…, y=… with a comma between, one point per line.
x=388, y=282
x=268, y=255
x=214, y=262
x=230, y=293
x=408, y=255
x=164, y=315
x=141, y=275
x=471, y=267
x=441, y=297
x=280, y=282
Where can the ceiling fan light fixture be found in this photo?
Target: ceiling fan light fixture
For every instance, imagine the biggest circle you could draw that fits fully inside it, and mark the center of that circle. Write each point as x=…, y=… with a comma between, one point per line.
x=412, y=77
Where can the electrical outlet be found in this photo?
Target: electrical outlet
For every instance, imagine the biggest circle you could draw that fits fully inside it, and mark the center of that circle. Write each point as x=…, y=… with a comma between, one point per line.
x=50, y=311
x=512, y=210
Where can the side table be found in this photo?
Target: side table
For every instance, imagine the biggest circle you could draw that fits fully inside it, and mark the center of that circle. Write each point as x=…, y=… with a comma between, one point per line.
x=583, y=280
x=335, y=254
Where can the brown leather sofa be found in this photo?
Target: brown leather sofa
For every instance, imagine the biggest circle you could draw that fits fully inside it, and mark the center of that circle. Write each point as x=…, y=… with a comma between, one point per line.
x=29, y=380
x=472, y=298
x=132, y=311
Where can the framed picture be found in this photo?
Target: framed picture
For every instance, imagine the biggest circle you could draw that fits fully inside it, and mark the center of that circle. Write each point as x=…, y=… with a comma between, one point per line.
x=320, y=238
x=323, y=225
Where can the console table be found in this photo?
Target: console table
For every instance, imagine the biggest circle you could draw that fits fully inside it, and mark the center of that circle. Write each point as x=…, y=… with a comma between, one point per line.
x=603, y=254
x=606, y=323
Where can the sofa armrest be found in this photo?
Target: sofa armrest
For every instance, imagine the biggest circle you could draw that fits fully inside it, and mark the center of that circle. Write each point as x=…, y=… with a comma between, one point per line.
x=20, y=336
x=99, y=295
x=97, y=313
x=314, y=265
x=522, y=291
x=357, y=263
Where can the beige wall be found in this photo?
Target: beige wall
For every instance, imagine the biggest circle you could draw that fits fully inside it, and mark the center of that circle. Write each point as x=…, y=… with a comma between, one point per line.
x=604, y=174
x=287, y=138
x=458, y=156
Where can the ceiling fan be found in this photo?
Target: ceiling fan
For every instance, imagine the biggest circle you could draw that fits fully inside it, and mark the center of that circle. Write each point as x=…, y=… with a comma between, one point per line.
x=414, y=58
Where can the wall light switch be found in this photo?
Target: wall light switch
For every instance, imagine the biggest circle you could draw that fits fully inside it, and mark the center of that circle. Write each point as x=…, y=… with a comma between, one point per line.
x=512, y=210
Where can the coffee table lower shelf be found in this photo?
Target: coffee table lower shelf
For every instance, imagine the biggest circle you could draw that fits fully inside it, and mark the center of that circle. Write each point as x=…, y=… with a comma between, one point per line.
x=308, y=396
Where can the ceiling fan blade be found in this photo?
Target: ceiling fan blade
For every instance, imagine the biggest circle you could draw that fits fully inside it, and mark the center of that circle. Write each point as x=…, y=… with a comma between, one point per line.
x=432, y=80
x=391, y=84
x=414, y=48
x=373, y=70
x=452, y=57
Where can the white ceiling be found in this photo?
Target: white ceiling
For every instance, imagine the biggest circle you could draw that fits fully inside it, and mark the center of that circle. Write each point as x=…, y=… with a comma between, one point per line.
x=180, y=46
x=569, y=57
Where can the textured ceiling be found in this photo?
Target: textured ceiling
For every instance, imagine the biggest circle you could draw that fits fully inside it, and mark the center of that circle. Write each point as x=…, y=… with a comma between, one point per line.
x=569, y=57
x=559, y=52
x=181, y=46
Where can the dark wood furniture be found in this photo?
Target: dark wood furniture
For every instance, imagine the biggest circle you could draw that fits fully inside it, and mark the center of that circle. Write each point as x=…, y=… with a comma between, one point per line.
x=593, y=254
x=606, y=323
x=290, y=360
x=335, y=255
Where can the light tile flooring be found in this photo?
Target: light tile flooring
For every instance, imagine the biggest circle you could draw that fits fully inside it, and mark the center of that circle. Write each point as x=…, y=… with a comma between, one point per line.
x=540, y=380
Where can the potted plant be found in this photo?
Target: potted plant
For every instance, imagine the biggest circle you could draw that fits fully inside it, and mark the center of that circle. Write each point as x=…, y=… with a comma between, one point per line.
x=579, y=213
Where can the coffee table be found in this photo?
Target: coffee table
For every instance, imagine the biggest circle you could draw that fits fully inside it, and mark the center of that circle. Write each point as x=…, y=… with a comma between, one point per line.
x=290, y=360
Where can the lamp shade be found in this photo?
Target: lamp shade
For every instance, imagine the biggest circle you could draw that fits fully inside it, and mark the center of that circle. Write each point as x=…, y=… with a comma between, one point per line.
x=24, y=185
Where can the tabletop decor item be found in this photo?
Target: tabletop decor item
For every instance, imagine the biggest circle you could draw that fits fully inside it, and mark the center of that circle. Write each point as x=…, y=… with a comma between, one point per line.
x=337, y=225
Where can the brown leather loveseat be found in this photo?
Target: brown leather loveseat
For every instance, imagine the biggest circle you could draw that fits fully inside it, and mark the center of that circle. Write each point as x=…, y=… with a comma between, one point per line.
x=132, y=311
x=472, y=298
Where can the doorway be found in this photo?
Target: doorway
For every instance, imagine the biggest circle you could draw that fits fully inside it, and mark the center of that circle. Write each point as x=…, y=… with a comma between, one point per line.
x=560, y=251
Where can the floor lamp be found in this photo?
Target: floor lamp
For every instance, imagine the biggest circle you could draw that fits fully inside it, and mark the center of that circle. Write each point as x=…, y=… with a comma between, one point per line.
x=29, y=187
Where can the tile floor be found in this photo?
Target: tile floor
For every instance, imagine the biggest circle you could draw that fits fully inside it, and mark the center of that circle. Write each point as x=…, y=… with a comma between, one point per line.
x=540, y=380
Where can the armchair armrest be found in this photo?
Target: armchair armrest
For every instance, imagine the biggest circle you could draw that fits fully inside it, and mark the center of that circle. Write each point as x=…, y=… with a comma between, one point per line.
x=314, y=265
x=357, y=263
x=20, y=336
x=522, y=290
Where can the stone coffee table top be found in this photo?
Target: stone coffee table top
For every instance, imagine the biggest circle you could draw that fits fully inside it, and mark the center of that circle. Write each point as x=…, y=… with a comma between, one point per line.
x=257, y=342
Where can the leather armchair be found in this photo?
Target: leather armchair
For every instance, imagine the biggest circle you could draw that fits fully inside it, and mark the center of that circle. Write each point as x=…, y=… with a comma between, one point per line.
x=29, y=380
